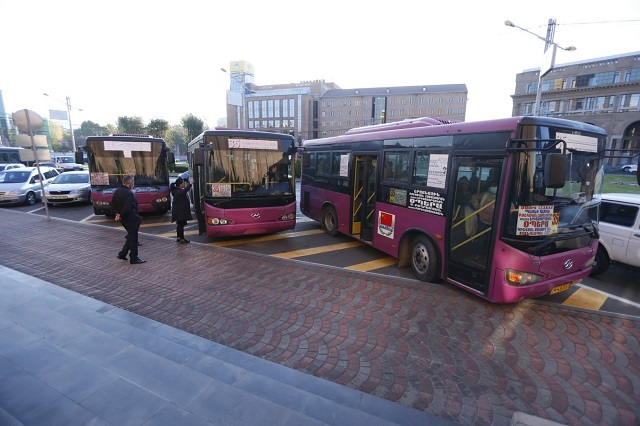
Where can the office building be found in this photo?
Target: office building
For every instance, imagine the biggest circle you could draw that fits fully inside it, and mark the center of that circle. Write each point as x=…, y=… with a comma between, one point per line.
x=317, y=109
x=603, y=91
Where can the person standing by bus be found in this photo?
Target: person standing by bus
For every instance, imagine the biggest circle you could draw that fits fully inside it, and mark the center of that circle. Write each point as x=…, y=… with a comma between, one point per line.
x=126, y=207
x=181, y=207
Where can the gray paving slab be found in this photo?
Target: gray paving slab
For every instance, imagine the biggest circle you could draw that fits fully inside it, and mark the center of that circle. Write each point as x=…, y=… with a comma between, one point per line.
x=66, y=359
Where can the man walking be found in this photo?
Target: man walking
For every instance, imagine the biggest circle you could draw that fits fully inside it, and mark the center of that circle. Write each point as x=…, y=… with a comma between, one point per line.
x=126, y=207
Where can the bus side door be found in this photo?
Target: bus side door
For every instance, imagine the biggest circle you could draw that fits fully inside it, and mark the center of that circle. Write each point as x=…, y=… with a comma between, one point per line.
x=363, y=201
x=471, y=228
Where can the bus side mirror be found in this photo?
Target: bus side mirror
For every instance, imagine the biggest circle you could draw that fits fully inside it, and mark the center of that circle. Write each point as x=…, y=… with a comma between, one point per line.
x=555, y=170
x=198, y=157
x=171, y=157
x=79, y=158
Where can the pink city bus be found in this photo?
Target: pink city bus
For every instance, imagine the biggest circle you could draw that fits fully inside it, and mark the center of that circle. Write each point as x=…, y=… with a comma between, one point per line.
x=244, y=182
x=504, y=209
x=145, y=158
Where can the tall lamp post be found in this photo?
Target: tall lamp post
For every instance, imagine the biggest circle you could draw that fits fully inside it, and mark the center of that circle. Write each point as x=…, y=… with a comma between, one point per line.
x=240, y=116
x=548, y=58
x=73, y=138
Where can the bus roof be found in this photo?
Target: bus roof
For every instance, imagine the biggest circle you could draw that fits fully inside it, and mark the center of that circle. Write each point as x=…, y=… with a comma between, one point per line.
x=123, y=137
x=427, y=126
x=243, y=132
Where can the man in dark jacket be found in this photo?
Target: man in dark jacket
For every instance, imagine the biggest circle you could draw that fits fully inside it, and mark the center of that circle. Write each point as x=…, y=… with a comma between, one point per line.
x=126, y=207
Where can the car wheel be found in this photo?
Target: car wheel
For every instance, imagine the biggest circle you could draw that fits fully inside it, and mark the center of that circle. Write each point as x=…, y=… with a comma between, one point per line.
x=330, y=221
x=601, y=263
x=30, y=199
x=626, y=169
x=424, y=259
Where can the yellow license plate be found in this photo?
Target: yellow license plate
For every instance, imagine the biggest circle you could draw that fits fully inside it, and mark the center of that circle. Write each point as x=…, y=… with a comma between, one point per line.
x=560, y=288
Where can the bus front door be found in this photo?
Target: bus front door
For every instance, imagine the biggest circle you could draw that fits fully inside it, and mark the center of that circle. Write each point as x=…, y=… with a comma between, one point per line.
x=363, y=206
x=471, y=231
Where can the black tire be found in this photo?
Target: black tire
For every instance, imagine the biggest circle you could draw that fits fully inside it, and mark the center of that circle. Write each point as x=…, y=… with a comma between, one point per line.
x=330, y=221
x=30, y=199
x=602, y=262
x=424, y=261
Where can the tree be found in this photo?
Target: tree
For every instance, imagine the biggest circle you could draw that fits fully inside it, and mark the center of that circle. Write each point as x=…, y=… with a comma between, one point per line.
x=193, y=125
x=89, y=128
x=131, y=125
x=176, y=138
x=158, y=128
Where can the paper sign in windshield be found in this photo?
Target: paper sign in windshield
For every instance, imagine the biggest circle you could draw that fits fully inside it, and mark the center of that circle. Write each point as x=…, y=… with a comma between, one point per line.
x=221, y=190
x=537, y=220
x=253, y=144
x=579, y=142
x=437, y=170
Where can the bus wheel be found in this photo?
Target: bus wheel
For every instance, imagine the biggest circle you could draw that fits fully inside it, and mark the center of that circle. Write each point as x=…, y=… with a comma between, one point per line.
x=423, y=259
x=330, y=221
x=602, y=262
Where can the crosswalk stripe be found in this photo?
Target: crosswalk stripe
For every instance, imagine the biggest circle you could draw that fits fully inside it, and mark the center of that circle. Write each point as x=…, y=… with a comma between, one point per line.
x=316, y=250
x=374, y=264
x=585, y=298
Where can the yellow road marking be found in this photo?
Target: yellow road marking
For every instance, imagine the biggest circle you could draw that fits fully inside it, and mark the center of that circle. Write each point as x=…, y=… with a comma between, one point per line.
x=265, y=238
x=374, y=264
x=585, y=298
x=316, y=250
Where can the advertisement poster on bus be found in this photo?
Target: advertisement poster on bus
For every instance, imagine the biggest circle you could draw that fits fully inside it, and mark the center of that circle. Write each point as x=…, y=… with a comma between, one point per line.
x=537, y=220
x=386, y=224
x=427, y=201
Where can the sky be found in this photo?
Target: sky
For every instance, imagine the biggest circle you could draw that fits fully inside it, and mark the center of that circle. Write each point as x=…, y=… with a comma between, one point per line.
x=162, y=59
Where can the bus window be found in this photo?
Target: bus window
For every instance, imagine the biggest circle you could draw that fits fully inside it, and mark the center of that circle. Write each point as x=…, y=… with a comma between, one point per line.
x=421, y=168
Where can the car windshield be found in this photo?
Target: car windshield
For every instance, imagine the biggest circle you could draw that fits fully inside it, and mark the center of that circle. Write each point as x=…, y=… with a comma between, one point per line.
x=72, y=178
x=65, y=160
x=11, y=176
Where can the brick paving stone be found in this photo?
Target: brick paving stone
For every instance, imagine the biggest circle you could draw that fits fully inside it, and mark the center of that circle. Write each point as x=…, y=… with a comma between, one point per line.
x=431, y=347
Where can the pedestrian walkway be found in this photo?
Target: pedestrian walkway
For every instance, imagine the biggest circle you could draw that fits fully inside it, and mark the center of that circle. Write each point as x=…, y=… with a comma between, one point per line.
x=67, y=359
x=209, y=334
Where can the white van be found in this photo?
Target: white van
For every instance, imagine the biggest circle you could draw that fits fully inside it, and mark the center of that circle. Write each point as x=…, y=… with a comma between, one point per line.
x=619, y=231
x=22, y=185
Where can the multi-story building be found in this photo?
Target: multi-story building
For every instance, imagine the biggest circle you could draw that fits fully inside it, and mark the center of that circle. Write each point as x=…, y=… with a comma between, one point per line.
x=603, y=91
x=316, y=109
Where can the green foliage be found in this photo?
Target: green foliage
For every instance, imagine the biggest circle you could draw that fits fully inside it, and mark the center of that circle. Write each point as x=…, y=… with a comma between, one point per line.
x=176, y=139
x=133, y=125
x=179, y=167
x=297, y=166
x=158, y=128
x=626, y=183
x=193, y=125
x=89, y=128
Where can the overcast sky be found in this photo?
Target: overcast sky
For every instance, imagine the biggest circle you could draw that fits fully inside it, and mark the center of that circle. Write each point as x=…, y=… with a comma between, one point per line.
x=162, y=59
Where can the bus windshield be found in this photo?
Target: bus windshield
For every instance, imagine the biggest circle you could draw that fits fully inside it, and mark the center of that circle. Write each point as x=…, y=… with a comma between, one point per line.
x=239, y=167
x=538, y=211
x=110, y=160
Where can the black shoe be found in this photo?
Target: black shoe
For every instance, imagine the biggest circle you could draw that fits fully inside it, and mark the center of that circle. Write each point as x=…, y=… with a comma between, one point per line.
x=122, y=257
x=139, y=243
x=183, y=241
x=136, y=261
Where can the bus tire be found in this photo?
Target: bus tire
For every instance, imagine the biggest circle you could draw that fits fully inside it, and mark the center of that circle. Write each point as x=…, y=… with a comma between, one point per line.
x=424, y=260
x=330, y=221
x=602, y=262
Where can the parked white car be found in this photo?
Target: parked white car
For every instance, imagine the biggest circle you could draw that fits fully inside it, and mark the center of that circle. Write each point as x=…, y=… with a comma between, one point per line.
x=9, y=166
x=630, y=168
x=69, y=187
x=22, y=185
x=619, y=231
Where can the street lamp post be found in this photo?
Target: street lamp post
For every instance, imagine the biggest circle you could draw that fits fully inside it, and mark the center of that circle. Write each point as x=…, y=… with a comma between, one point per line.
x=73, y=139
x=550, y=60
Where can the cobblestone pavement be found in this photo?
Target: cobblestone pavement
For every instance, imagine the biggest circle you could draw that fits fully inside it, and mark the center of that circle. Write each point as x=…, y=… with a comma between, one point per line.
x=431, y=347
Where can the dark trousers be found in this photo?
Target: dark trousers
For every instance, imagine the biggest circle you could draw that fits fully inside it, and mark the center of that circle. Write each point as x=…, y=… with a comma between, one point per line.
x=131, y=244
x=180, y=228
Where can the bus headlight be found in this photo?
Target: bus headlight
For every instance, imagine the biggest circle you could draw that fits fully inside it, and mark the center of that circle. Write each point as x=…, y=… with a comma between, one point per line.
x=162, y=200
x=218, y=221
x=519, y=278
x=288, y=216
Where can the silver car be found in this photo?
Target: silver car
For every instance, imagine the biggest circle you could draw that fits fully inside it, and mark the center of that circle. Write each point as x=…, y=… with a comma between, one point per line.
x=69, y=187
x=22, y=185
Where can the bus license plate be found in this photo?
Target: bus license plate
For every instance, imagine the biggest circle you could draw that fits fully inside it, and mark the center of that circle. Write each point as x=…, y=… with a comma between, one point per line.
x=560, y=288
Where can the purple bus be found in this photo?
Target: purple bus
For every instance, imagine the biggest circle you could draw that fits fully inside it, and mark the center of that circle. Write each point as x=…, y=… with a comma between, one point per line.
x=112, y=157
x=504, y=209
x=243, y=182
